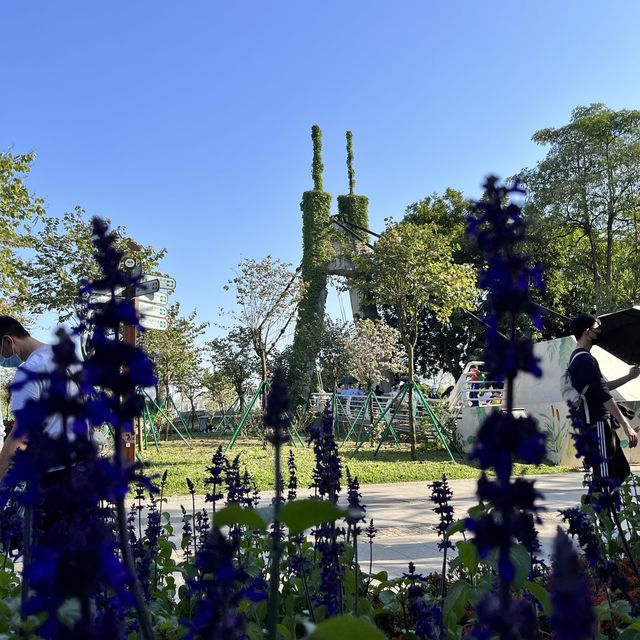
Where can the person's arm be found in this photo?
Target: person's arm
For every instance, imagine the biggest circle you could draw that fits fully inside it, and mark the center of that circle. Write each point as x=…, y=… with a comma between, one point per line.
x=634, y=372
x=10, y=446
x=612, y=407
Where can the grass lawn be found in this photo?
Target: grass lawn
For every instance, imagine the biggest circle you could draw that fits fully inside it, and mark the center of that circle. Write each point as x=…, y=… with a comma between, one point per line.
x=392, y=464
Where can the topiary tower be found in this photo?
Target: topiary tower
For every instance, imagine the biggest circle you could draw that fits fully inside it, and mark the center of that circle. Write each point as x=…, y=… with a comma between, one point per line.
x=352, y=207
x=317, y=252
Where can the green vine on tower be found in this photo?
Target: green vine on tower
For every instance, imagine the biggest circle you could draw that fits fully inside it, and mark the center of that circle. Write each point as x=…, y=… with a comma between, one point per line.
x=317, y=252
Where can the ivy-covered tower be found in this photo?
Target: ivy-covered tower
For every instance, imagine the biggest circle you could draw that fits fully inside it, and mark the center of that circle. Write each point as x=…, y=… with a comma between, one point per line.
x=317, y=252
x=354, y=209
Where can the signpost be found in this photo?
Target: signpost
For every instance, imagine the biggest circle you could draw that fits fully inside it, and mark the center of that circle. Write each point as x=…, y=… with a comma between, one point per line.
x=150, y=297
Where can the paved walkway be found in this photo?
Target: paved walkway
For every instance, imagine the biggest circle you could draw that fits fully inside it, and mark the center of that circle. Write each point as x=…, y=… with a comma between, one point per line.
x=403, y=515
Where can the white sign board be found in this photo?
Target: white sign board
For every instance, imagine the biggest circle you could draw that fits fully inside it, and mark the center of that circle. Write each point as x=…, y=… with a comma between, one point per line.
x=150, y=286
x=149, y=322
x=160, y=297
x=168, y=284
x=149, y=309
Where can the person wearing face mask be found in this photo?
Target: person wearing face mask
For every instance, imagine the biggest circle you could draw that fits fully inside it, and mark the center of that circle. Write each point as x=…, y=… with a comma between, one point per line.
x=585, y=372
x=19, y=349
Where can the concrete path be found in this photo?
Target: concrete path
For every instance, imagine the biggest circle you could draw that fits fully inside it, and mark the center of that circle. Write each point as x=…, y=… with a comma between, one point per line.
x=403, y=515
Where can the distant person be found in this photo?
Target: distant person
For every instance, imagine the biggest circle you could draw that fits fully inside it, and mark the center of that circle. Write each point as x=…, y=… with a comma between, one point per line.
x=473, y=382
x=378, y=390
x=585, y=375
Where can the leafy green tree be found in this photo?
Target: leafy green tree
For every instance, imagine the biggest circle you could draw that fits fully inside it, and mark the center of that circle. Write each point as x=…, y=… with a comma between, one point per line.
x=588, y=187
x=233, y=360
x=446, y=346
x=175, y=352
x=334, y=357
x=191, y=385
x=412, y=270
x=222, y=393
x=64, y=257
x=20, y=212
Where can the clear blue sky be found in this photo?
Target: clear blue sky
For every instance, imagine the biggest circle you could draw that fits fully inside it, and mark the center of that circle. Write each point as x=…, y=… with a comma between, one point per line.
x=189, y=122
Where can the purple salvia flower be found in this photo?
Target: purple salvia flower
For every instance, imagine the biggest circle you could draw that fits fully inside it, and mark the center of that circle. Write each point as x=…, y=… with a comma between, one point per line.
x=217, y=477
x=572, y=616
x=441, y=495
x=293, y=477
x=499, y=231
x=327, y=470
x=217, y=590
x=357, y=510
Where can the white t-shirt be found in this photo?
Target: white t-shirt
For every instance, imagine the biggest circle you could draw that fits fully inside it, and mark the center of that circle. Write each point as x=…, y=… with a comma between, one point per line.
x=39, y=361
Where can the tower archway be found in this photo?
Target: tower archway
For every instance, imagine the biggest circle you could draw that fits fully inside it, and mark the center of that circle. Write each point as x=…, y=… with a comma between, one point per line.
x=328, y=244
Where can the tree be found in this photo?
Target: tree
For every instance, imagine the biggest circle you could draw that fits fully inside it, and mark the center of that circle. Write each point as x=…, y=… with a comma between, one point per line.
x=588, y=185
x=374, y=350
x=20, y=212
x=446, y=346
x=191, y=384
x=267, y=295
x=64, y=257
x=174, y=352
x=411, y=269
x=334, y=351
x=233, y=359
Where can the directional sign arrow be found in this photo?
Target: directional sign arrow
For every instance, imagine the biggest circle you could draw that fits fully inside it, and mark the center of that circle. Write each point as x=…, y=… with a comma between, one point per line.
x=102, y=298
x=155, y=298
x=149, y=322
x=148, y=309
x=150, y=286
x=168, y=284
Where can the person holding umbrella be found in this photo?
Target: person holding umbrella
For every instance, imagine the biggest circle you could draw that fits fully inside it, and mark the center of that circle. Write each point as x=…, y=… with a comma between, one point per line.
x=601, y=407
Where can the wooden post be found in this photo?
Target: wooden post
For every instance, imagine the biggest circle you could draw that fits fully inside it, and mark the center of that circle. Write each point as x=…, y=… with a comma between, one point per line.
x=129, y=337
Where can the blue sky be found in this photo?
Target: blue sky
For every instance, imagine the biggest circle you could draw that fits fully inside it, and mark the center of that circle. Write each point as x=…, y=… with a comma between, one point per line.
x=189, y=122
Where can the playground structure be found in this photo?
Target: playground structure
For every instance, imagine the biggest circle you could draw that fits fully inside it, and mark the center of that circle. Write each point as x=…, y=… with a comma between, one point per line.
x=235, y=420
x=152, y=415
x=370, y=417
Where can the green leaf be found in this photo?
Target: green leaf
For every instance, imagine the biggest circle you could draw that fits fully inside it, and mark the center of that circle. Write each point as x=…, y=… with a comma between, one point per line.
x=522, y=562
x=630, y=633
x=540, y=594
x=299, y=515
x=456, y=527
x=456, y=599
x=346, y=628
x=468, y=555
x=235, y=514
x=284, y=632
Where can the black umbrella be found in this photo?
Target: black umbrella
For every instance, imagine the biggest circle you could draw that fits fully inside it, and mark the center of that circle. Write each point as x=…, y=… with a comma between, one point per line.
x=348, y=380
x=620, y=334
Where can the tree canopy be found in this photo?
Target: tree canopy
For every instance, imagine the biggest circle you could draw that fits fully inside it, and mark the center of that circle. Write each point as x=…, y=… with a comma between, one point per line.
x=585, y=195
x=20, y=213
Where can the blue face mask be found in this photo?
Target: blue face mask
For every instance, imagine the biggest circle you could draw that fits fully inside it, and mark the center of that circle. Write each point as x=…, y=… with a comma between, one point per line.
x=13, y=361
